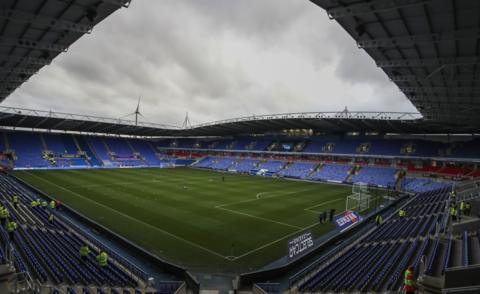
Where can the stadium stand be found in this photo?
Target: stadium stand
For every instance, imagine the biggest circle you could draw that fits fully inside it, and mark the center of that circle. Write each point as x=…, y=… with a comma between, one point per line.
x=385, y=147
x=272, y=166
x=299, y=170
x=378, y=176
x=205, y=162
x=70, y=151
x=216, y=163
x=92, y=157
x=28, y=149
x=376, y=262
x=419, y=185
x=246, y=165
x=99, y=148
x=145, y=150
x=432, y=155
x=63, y=150
x=49, y=251
x=331, y=173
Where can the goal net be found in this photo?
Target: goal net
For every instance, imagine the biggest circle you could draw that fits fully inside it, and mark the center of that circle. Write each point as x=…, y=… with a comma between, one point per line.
x=360, y=198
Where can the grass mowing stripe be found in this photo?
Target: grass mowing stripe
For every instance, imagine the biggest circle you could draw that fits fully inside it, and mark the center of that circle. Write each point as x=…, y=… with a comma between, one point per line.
x=258, y=198
x=275, y=241
x=132, y=218
x=257, y=217
x=309, y=209
x=183, y=201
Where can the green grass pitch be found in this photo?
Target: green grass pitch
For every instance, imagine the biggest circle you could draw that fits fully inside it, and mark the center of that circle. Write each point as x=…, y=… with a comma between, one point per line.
x=191, y=217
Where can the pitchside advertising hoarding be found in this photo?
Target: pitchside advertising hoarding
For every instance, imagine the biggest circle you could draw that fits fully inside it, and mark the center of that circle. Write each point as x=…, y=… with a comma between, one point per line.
x=346, y=220
x=300, y=245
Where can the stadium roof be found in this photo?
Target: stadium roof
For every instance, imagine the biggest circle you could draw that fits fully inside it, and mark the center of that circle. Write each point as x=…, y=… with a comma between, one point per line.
x=48, y=120
x=328, y=122
x=429, y=48
x=34, y=32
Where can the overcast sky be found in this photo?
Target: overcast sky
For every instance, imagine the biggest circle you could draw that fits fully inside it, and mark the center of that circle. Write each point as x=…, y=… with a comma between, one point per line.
x=216, y=59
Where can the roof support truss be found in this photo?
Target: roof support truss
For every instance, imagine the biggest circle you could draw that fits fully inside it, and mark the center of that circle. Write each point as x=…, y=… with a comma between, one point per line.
x=371, y=7
x=408, y=41
x=429, y=90
x=434, y=97
x=454, y=61
x=120, y=3
x=12, y=79
x=41, y=122
x=19, y=70
x=54, y=127
x=19, y=123
x=414, y=78
x=25, y=43
x=27, y=60
x=41, y=20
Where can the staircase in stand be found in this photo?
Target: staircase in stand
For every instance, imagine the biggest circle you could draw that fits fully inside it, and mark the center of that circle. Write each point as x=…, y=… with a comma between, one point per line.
x=44, y=143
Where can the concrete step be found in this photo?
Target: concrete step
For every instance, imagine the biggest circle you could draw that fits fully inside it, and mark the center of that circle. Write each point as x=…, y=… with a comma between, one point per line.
x=438, y=263
x=474, y=249
x=457, y=252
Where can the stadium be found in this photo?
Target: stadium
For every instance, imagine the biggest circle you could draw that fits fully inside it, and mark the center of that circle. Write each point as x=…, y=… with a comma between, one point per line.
x=309, y=202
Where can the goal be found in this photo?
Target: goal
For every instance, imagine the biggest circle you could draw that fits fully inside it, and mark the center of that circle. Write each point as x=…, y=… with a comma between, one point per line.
x=360, y=198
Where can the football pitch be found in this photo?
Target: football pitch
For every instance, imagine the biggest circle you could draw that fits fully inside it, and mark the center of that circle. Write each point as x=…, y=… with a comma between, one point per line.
x=193, y=218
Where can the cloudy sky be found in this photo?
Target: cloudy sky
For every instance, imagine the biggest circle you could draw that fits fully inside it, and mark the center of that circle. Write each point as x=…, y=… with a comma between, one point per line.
x=215, y=59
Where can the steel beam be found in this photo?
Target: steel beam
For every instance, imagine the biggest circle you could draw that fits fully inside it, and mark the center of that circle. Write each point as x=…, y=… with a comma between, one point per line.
x=406, y=78
x=12, y=79
x=405, y=41
x=41, y=122
x=454, y=61
x=5, y=90
x=7, y=85
x=119, y=3
x=371, y=7
x=449, y=107
x=19, y=70
x=429, y=90
x=25, y=43
x=414, y=78
x=28, y=60
x=20, y=121
x=4, y=115
x=455, y=98
x=55, y=126
x=42, y=20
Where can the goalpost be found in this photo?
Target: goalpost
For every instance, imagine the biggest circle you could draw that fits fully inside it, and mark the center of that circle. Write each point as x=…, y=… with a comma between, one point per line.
x=360, y=198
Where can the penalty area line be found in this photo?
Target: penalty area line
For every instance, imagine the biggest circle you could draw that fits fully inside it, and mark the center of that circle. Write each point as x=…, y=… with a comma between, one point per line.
x=257, y=196
x=258, y=217
x=275, y=241
x=309, y=209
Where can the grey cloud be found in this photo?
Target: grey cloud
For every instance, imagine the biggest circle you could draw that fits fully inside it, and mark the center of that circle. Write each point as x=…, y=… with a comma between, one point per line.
x=215, y=59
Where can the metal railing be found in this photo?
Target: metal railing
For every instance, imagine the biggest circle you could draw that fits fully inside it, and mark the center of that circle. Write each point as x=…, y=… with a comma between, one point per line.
x=23, y=281
x=374, y=115
x=5, y=111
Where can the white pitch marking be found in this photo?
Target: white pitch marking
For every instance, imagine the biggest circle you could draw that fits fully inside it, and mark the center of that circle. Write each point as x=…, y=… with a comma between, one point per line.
x=134, y=219
x=258, y=217
x=322, y=204
x=261, y=193
x=257, y=197
x=275, y=241
x=279, y=194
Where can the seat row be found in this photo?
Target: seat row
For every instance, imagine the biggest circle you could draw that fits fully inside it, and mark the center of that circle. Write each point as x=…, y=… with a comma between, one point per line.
x=376, y=262
x=49, y=251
